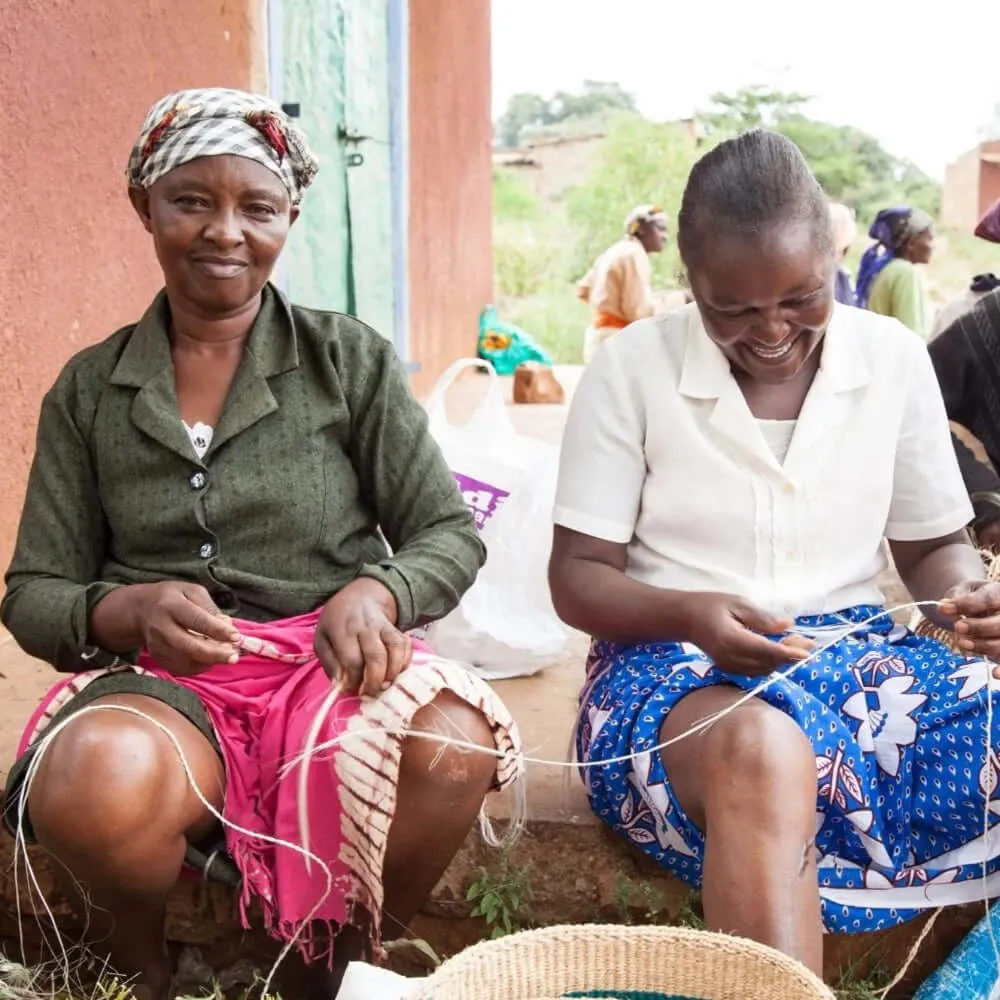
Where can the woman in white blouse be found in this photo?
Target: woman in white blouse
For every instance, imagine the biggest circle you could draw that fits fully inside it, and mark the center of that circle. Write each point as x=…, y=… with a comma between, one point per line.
x=729, y=473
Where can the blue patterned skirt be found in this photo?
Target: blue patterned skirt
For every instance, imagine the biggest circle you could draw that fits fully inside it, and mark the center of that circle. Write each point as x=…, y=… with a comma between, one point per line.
x=898, y=726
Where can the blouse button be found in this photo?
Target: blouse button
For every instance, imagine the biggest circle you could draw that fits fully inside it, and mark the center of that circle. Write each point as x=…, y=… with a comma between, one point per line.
x=207, y=550
x=198, y=481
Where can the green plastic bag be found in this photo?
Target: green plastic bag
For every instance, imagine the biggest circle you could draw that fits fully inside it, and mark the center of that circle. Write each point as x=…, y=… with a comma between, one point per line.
x=506, y=346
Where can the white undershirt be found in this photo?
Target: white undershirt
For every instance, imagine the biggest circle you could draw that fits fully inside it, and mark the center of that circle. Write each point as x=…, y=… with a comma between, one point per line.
x=778, y=435
x=201, y=437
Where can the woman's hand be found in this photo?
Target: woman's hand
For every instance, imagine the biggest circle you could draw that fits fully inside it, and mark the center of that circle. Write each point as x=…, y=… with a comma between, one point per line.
x=726, y=629
x=974, y=607
x=177, y=623
x=357, y=641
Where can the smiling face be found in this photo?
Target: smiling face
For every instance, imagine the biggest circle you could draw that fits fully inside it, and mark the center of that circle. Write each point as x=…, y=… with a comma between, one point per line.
x=218, y=224
x=766, y=298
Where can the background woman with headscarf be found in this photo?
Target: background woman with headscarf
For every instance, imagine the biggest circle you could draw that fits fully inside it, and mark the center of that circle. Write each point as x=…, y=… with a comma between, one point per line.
x=204, y=550
x=845, y=231
x=619, y=287
x=888, y=282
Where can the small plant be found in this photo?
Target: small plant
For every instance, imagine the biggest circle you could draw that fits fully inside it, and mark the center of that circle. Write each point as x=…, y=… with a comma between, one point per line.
x=870, y=986
x=631, y=894
x=501, y=897
x=691, y=913
x=216, y=992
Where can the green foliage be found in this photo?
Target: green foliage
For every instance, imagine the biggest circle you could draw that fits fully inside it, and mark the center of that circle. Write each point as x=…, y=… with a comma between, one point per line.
x=531, y=111
x=633, y=894
x=751, y=107
x=543, y=246
x=596, y=96
x=691, y=913
x=554, y=316
x=522, y=267
x=513, y=199
x=870, y=986
x=501, y=897
x=523, y=111
x=638, y=161
x=852, y=165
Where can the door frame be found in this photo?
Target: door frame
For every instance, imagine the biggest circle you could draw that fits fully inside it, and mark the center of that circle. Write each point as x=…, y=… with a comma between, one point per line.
x=275, y=90
x=398, y=22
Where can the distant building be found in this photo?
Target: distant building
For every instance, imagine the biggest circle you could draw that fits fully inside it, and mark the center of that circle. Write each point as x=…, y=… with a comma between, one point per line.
x=972, y=184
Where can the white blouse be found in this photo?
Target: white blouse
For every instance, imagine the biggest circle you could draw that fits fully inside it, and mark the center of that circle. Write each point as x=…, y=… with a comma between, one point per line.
x=661, y=452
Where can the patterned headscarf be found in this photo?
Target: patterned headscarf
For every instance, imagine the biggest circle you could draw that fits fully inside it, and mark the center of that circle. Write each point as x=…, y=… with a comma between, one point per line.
x=891, y=230
x=989, y=225
x=640, y=215
x=214, y=121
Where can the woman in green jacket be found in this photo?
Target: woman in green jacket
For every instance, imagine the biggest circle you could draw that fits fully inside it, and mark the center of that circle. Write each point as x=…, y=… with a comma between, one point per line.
x=204, y=552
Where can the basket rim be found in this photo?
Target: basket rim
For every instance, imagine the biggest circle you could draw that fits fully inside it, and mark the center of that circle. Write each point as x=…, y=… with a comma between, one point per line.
x=550, y=961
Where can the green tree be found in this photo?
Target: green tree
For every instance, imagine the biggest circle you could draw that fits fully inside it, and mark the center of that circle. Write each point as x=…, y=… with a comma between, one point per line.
x=525, y=112
x=638, y=161
x=752, y=107
x=852, y=165
x=596, y=97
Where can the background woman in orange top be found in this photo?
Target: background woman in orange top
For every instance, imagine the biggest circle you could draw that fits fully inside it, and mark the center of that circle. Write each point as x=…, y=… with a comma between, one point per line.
x=619, y=288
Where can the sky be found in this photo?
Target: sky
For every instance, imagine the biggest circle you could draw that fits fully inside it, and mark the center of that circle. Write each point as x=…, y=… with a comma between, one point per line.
x=923, y=83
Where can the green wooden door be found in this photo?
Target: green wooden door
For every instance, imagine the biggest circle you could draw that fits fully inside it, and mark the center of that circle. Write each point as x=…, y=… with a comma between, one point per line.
x=366, y=113
x=339, y=254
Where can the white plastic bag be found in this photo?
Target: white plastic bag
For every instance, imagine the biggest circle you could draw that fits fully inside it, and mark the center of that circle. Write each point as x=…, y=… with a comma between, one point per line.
x=506, y=625
x=366, y=982
x=486, y=454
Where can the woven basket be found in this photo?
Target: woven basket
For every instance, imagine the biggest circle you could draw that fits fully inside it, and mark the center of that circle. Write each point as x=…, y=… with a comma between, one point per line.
x=922, y=626
x=652, y=963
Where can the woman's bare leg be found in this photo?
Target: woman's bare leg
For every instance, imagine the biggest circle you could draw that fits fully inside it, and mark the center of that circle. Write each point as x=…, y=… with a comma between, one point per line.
x=441, y=791
x=112, y=803
x=749, y=783
x=439, y=797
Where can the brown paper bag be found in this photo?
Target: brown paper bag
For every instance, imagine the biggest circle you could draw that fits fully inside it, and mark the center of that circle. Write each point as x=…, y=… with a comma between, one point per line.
x=537, y=383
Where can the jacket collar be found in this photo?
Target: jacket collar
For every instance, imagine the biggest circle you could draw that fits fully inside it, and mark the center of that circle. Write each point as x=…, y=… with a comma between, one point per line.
x=146, y=364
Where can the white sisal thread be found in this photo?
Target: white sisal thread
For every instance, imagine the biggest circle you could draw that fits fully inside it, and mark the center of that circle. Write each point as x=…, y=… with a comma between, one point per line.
x=313, y=748
x=278, y=842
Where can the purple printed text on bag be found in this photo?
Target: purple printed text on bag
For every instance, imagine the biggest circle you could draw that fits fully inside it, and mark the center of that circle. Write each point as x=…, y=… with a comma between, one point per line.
x=481, y=498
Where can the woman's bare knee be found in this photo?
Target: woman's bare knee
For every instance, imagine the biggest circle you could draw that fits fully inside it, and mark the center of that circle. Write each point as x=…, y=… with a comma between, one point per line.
x=761, y=747
x=450, y=717
x=754, y=762
x=111, y=776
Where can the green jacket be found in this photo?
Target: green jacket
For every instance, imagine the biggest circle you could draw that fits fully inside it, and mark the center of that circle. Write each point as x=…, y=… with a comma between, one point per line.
x=320, y=457
x=898, y=291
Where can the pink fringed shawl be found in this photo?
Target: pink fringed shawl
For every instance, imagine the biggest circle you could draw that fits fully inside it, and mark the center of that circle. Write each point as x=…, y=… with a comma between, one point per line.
x=262, y=708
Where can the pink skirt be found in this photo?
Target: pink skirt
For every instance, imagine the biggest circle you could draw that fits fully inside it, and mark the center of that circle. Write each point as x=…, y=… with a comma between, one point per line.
x=261, y=709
